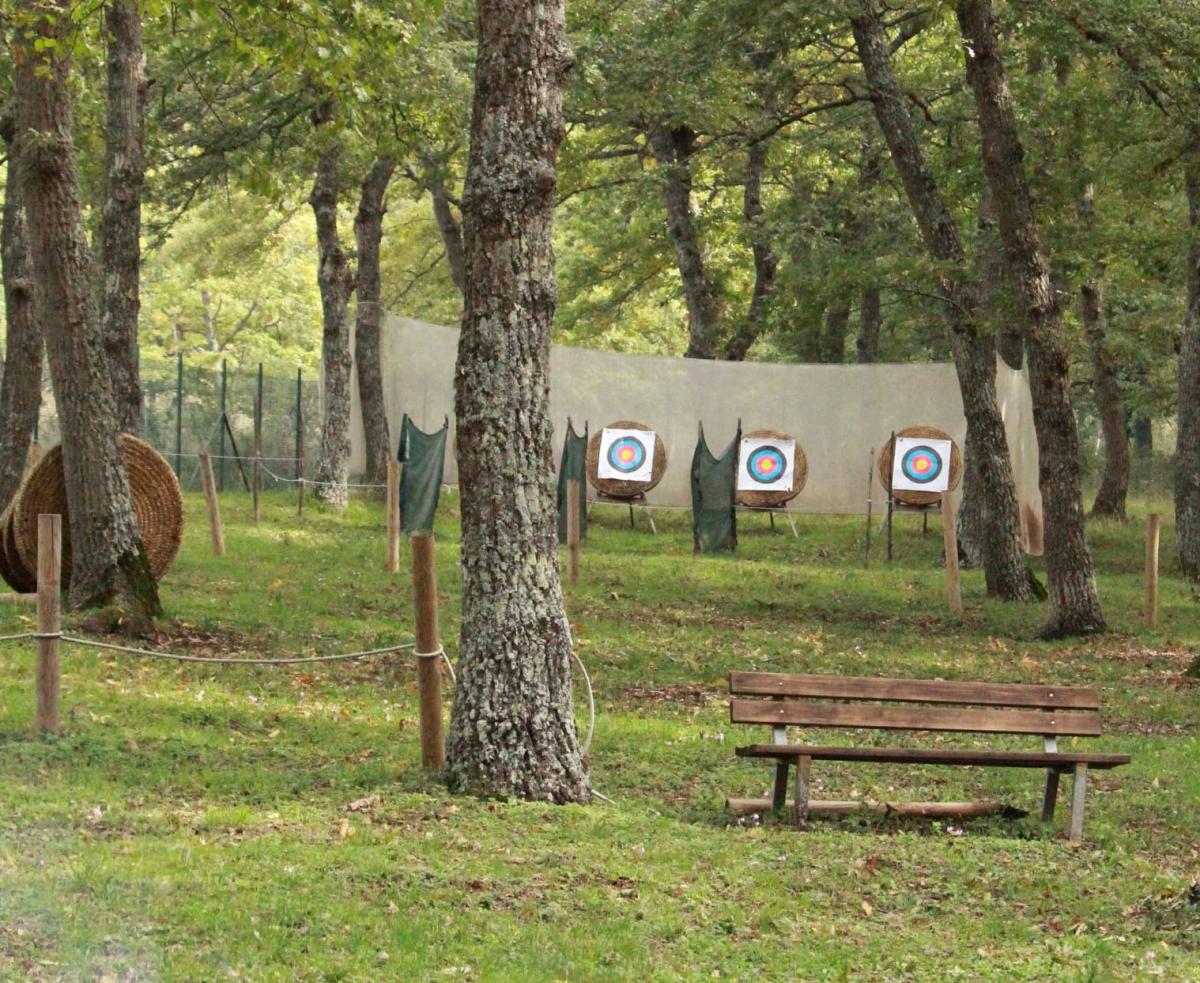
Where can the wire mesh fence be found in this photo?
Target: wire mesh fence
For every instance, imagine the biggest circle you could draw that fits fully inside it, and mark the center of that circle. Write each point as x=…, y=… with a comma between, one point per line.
x=184, y=406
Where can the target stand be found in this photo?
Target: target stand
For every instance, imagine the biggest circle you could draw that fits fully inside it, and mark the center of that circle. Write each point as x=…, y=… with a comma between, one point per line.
x=929, y=458
x=771, y=511
x=631, y=501
x=894, y=506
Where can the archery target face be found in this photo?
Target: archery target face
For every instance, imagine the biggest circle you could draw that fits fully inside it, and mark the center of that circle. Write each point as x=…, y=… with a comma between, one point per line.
x=766, y=464
x=626, y=455
x=921, y=464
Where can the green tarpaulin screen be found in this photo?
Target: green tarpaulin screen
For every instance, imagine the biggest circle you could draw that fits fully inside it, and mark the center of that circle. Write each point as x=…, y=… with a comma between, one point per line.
x=714, y=480
x=573, y=465
x=423, y=456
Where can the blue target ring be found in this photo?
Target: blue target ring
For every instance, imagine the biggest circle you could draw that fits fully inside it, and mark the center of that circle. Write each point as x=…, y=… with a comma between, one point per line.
x=766, y=465
x=626, y=455
x=921, y=464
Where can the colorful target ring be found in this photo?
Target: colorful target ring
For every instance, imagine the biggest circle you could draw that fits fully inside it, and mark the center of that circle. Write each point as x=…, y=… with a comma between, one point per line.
x=921, y=465
x=627, y=455
x=766, y=465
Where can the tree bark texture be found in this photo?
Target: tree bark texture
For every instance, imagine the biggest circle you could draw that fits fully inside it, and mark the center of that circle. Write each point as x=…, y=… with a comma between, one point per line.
x=1114, y=484
x=766, y=262
x=870, y=323
x=21, y=384
x=336, y=282
x=1187, y=454
x=121, y=215
x=673, y=147
x=1074, y=601
x=110, y=562
x=1010, y=340
x=451, y=230
x=512, y=730
x=974, y=353
x=368, y=234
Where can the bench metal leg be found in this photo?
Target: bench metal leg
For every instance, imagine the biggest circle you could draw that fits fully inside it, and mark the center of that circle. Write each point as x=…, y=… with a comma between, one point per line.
x=1050, y=798
x=800, y=806
x=1078, y=794
x=779, y=796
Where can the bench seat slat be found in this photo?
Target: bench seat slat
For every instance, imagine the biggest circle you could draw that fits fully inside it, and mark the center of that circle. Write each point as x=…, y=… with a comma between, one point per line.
x=913, y=690
x=934, y=756
x=870, y=716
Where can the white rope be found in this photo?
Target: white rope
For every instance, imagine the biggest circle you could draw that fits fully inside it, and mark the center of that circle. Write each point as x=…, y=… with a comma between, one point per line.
x=229, y=661
x=312, y=481
x=16, y=638
x=591, y=700
x=439, y=653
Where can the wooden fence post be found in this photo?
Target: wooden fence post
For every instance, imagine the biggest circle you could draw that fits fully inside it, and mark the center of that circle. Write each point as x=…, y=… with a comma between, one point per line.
x=214, y=507
x=950, y=538
x=393, y=516
x=49, y=622
x=573, y=545
x=870, y=492
x=258, y=427
x=429, y=669
x=1152, y=536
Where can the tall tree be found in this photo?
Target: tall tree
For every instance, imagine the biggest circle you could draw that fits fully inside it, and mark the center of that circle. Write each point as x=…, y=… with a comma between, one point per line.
x=974, y=352
x=1187, y=454
x=1114, y=482
x=336, y=280
x=110, y=563
x=21, y=384
x=121, y=215
x=368, y=234
x=1074, y=601
x=512, y=730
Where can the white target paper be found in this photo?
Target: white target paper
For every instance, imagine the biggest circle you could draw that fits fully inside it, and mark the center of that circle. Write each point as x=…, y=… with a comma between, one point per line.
x=766, y=464
x=626, y=455
x=921, y=464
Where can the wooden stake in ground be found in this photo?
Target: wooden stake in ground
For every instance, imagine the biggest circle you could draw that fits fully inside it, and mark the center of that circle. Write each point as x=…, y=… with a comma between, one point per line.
x=258, y=409
x=573, y=546
x=429, y=646
x=393, y=516
x=870, y=492
x=950, y=537
x=1152, y=530
x=214, y=507
x=49, y=624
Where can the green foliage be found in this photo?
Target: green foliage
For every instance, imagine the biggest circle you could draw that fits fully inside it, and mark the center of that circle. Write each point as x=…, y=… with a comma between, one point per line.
x=196, y=823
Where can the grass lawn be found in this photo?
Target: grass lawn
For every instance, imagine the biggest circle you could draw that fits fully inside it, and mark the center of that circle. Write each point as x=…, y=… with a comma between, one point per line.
x=207, y=823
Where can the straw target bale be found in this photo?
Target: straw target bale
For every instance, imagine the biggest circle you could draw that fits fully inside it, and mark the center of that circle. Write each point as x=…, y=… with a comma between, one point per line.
x=775, y=499
x=903, y=496
x=12, y=569
x=157, y=503
x=618, y=487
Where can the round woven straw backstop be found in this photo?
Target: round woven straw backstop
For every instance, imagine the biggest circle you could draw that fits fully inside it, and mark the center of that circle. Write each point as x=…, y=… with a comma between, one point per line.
x=774, y=499
x=617, y=487
x=157, y=504
x=12, y=569
x=905, y=497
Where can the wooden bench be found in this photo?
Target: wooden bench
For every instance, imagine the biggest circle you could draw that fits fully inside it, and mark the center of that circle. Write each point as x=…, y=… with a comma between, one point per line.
x=781, y=699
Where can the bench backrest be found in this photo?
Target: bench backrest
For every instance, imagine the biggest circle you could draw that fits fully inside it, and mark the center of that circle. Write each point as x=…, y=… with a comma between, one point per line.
x=868, y=702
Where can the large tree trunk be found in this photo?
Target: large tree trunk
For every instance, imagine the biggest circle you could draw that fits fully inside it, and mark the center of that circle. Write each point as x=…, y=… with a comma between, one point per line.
x=451, y=230
x=1000, y=540
x=833, y=337
x=1074, y=602
x=336, y=281
x=673, y=147
x=121, y=216
x=870, y=323
x=993, y=297
x=1114, y=485
x=21, y=384
x=1187, y=454
x=109, y=560
x=766, y=263
x=368, y=234
x=512, y=731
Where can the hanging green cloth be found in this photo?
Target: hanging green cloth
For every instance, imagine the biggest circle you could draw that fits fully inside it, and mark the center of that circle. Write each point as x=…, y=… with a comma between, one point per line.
x=573, y=465
x=714, y=481
x=423, y=456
